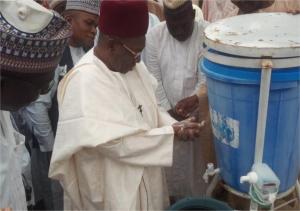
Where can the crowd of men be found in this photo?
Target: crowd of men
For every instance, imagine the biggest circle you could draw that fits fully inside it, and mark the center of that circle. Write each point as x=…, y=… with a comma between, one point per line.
x=108, y=96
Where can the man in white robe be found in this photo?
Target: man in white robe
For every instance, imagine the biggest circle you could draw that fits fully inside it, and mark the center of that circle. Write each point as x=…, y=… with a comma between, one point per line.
x=112, y=138
x=172, y=54
x=27, y=64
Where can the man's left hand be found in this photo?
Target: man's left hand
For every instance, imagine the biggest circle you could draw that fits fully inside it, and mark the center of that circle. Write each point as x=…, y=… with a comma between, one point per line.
x=186, y=106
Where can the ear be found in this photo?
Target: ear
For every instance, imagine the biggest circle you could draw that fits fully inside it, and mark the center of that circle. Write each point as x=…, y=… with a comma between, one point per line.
x=68, y=18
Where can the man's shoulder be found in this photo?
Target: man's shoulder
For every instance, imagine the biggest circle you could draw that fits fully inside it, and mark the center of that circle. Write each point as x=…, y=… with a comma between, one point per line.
x=88, y=61
x=201, y=25
x=94, y=71
x=198, y=34
x=86, y=58
x=157, y=30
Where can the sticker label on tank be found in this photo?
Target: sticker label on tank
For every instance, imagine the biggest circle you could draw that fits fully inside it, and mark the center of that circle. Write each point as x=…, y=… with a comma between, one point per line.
x=225, y=129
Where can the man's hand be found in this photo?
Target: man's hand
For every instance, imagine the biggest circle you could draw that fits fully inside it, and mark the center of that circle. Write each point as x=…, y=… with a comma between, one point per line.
x=186, y=106
x=187, y=130
x=195, y=114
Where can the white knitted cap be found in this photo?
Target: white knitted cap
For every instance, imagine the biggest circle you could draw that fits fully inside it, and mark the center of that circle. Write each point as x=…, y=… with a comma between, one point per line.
x=25, y=15
x=90, y=6
x=198, y=13
x=174, y=4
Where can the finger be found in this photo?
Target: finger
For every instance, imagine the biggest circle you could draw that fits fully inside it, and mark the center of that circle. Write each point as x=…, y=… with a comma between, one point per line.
x=188, y=134
x=194, y=135
x=193, y=125
x=188, y=115
x=191, y=119
x=178, y=111
x=180, y=132
x=191, y=135
x=181, y=111
x=202, y=123
x=185, y=135
x=196, y=132
x=187, y=110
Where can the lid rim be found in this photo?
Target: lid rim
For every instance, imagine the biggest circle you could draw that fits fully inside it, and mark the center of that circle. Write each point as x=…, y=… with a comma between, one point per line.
x=282, y=52
x=265, y=34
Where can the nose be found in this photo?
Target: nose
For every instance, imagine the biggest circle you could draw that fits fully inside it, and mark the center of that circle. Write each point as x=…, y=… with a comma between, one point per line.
x=94, y=30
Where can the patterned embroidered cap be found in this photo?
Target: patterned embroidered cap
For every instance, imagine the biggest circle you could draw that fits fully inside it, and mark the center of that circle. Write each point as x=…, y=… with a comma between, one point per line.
x=32, y=38
x=90, y=6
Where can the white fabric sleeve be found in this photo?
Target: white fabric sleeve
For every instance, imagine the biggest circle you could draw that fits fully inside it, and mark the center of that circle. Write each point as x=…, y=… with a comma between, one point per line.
x=152, y=148
x=151, y=62
x=37, y=118
x=143, y=148
x=165, y=118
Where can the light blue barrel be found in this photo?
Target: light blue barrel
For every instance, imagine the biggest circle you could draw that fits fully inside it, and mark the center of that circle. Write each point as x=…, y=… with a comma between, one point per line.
x=236, y=49
x=233, y=98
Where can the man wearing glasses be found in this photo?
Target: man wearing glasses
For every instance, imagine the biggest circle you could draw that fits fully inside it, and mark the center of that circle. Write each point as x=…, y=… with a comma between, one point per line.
x=112, y=139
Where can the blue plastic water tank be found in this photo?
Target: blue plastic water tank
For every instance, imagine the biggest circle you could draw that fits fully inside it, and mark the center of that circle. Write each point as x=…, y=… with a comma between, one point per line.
x=233, y=98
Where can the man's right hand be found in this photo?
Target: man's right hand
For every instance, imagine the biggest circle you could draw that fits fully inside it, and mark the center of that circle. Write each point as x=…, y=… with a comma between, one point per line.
x=174, y=115
x=187, y=130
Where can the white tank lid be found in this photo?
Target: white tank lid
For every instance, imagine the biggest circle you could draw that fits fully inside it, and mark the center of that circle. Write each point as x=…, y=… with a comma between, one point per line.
x=275, y=35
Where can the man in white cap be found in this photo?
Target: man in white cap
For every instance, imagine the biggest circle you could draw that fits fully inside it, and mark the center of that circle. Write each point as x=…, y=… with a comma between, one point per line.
x=41, y=116
x=172, y=53
x=32, y=42
x=83, y=16
x=112, y=139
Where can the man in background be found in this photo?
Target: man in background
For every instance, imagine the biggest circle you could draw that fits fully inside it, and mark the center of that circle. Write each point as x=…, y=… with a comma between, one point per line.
x=83, y=17
x=41, y=116
x=30, y=52
x=214, y=10
x=172, y=54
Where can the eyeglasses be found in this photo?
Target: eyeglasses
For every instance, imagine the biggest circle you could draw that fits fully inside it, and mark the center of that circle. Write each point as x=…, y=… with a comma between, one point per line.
x=136, y=55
